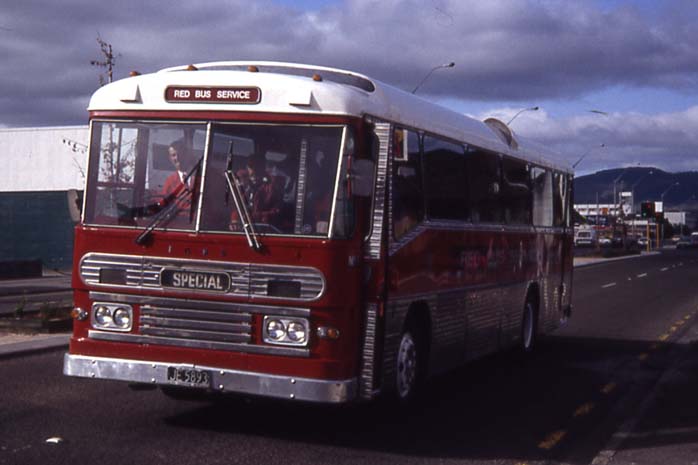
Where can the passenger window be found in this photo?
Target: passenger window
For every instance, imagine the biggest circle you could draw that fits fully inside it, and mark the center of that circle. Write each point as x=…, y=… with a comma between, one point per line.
x=446, y=180
x=484, y=185
x=516, y=191
x=408, y=199
x=561, y=198
x=542, y=188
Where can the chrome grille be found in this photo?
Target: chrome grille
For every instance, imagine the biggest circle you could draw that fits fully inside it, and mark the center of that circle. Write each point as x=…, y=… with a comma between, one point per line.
x=197, y=324
x=246, y=279
x=194, y=325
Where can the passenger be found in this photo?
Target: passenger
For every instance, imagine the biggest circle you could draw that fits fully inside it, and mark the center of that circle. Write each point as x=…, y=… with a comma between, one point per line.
x=262, y=194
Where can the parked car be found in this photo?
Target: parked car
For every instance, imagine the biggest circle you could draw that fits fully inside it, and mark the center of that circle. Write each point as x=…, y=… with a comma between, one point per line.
x=687, y=242
x=584, y=238
x=605, y=242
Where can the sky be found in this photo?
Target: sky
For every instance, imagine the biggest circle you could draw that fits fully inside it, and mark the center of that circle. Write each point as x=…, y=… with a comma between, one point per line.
x=633, y=63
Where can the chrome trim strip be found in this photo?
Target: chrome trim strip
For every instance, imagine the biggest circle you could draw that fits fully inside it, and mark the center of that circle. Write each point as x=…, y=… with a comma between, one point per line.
x=202, y=186
x=300, y=193
x=211, y=345
x=190, y=304
x=248, y=280
x=366, y=381
x=375, y=239
x=223, y=380
x=341, y=163
x=87, y=174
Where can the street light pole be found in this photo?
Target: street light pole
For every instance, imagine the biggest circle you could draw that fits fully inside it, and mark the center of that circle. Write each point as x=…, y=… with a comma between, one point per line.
x=587, y=153
x=446, y=65
x=536, y=108
x=661, y=197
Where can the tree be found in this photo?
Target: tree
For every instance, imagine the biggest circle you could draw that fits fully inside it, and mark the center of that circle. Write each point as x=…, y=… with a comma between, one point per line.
x=109, y=60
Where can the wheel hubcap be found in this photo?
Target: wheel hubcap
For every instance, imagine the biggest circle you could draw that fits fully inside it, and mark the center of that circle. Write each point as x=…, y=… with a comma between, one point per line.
x=406, y=365
x=528, y=327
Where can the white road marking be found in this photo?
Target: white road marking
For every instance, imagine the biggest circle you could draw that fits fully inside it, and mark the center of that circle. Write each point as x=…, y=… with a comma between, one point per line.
x=664, y=269
x=608, y=285
x=642, y=275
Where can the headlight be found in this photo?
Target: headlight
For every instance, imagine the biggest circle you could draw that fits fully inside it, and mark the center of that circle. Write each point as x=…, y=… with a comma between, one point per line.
x=112, y=317
x=103, y=316
x=285, y=331
x=276, y=330
x=296, y=331
x=122, y=317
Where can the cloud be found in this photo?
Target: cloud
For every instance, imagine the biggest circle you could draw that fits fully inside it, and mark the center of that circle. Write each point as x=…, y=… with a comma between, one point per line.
x=504, y=50
x=665, y=140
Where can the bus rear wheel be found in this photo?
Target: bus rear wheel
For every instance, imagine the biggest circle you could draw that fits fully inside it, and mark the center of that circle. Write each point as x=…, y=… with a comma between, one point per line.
x=529, y=323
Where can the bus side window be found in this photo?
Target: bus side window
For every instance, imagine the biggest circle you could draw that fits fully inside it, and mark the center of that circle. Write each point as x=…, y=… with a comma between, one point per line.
x=542, y=187
x=516, y=193
x=408, y=199
x=561, y=215
x=446, y=180
x=484, y=185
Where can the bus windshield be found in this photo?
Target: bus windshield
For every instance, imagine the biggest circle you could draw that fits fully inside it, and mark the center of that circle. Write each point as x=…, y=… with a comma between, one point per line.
x=173, y=176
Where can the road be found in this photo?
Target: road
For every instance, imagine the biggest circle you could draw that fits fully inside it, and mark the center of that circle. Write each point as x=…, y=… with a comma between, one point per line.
x=617, y=385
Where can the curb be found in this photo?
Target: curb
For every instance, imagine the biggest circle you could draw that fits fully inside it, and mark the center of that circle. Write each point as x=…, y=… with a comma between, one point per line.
x=34, y=345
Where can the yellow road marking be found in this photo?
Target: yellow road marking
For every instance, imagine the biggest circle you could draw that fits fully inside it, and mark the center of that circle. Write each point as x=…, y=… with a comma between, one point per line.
x=663, y=337
x=584, y=409
x=552, y=440
x=643, y=356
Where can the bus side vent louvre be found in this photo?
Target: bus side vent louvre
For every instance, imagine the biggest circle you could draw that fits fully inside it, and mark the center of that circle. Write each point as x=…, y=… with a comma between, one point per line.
x=369, y=353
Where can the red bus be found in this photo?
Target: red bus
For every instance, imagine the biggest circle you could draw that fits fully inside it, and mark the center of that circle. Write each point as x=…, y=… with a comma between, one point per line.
x=307, y=233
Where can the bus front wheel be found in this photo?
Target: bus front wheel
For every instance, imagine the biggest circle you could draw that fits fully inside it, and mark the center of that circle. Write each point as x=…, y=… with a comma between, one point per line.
x=529, y=324
x=410, y=365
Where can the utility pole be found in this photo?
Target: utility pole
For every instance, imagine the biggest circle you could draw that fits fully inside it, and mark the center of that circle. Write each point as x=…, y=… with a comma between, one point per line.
x=108, y=63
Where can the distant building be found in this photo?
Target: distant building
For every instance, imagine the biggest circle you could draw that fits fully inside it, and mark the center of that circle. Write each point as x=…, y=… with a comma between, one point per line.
x=684, y=218
x=595, y=209
x=41, y=175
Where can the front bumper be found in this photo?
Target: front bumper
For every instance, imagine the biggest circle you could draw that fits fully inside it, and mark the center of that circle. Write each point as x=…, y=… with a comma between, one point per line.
x=244, y=382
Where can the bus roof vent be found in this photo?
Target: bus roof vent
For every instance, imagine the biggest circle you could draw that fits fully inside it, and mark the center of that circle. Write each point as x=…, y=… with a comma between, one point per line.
x=502, y=131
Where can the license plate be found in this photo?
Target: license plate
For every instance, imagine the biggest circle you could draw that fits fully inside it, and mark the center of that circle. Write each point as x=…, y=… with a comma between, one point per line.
x=189, y=377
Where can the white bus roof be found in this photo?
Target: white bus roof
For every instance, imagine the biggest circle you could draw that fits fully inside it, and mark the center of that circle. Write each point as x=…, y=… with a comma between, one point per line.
x=291, y=89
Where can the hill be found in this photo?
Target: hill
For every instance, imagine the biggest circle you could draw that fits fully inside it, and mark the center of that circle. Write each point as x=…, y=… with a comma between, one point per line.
x=680, y=189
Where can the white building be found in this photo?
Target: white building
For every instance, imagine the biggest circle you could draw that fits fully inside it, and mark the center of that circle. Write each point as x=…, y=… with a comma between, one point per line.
x=42, y=171
x=43, y=159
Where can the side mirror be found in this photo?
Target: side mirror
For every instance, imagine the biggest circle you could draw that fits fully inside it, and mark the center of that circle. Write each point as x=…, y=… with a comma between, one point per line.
x=74, y=205
x=361, y=177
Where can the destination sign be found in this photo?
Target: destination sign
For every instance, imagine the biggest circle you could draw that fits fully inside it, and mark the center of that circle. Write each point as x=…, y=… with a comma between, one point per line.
x=247, y=95
x=200, y=280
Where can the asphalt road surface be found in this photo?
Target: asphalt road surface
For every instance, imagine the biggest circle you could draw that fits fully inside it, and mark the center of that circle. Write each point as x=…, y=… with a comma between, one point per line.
x=617, y=385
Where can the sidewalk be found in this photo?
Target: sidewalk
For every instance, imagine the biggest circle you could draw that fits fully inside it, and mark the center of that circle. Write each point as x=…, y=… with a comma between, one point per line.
x=31, y=294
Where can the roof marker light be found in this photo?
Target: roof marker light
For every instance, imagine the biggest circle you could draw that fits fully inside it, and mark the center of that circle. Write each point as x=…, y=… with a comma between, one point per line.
x=252, y=69
x=134, y=73
x=317, y=77
x=192, y=68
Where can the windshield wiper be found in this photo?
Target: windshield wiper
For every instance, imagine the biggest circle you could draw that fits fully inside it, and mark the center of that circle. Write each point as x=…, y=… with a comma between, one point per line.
x=240, y=206
x=171, y=204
